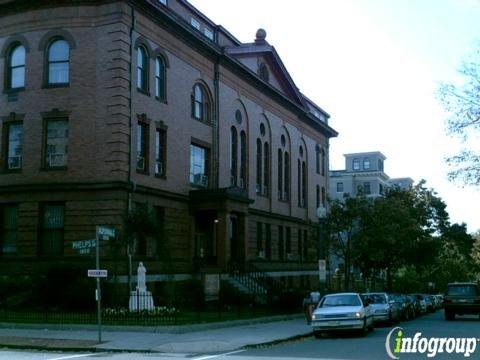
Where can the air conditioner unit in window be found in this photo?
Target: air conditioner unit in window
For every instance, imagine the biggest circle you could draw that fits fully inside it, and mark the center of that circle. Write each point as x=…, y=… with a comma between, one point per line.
x=261, y=254
x=140, y=163
x=258, y=188
x=159, y=168
x=200, y=179
x=57, y=159
x=265, y=190
x=15, y=162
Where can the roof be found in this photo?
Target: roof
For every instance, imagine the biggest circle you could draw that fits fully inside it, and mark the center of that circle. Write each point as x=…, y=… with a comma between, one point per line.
x=370, y=153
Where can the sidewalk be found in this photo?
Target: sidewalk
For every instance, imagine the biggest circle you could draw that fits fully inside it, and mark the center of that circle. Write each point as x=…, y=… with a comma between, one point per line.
x=180, y=339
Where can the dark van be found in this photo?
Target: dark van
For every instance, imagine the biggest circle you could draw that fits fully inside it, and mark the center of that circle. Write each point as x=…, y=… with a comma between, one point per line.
x=462, y=299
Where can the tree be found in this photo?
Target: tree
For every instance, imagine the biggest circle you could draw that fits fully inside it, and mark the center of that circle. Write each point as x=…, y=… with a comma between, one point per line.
x=463, y=105
x=342, y=223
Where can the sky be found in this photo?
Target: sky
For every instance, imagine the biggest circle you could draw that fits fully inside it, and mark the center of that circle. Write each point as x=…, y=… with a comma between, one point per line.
x=375, y=67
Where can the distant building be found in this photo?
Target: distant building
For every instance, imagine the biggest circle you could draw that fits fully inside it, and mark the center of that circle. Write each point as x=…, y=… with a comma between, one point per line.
x=365, y=172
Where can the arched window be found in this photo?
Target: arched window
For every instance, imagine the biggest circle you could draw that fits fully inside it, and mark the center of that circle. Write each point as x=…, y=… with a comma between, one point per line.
x=16, y=67
x=317, y=159
x=323, y=164
x=280, y=174
x=200, y=103
x=243, y=160
x=286, y=174
x=58, y=62
x=304, y=184
x=266, y=168
x=160, y=79
x=142, y=69
x=233, y=156
x=259, y=166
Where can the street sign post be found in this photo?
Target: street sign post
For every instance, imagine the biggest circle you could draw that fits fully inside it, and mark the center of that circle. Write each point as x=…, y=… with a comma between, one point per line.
x=102, y=233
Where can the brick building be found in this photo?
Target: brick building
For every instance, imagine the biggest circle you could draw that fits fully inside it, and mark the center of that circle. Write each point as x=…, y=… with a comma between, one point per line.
x=108, y=106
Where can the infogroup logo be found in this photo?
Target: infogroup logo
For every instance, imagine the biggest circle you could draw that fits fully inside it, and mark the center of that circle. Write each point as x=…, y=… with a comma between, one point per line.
x=397, y=343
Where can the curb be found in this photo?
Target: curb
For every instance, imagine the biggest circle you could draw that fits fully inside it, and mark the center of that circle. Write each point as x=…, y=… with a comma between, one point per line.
x=279, y=341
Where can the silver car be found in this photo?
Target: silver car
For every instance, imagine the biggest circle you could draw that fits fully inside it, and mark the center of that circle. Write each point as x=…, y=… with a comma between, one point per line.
x=342, y=311
x=384, y=308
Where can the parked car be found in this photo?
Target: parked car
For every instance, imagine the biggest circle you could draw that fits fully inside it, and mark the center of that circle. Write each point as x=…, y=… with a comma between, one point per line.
x=406, y=305
x=430, y=299
x=440, y=300
x=385, y=309
x=422, y=303
x=342, y=311
x=461, y=299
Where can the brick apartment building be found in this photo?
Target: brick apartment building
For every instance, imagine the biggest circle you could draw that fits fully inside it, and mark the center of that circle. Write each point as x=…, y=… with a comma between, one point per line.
x=109, y=105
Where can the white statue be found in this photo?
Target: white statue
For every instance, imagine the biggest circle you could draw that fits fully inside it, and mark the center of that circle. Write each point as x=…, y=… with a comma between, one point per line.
x=141, y=278
x=141, y=299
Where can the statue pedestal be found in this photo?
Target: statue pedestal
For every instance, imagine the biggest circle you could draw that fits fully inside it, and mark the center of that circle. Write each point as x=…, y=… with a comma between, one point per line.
x=141, y=300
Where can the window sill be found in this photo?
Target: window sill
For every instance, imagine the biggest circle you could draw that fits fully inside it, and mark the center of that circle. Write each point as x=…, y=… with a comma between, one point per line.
x=143, y=172
x=13, y=91
x=144, y=92
x=54, y=86
x=11, y=171
x=56, y=168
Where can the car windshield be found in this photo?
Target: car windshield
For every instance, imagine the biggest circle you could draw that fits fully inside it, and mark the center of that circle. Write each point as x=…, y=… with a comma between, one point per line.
x=340, y=300
x=469, y=290
x=376, y=298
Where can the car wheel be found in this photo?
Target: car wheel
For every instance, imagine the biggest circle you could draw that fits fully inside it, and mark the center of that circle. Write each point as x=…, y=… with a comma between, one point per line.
x=317, y=334
x=449, y=316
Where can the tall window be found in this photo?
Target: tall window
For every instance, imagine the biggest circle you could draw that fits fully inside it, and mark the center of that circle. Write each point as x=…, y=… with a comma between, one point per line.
x=259, y=239
x=281, y=246
x=366, y=163
x=16, y=68
x=323, y=162
x=304, y=183
x=8, y=229
x=317, y=159
x=14, y=146
x=339, y=187
x=288, y=240
x=160, y=79
x=323, y=197
x=142, y=69
x=266, y=169
x=286, y=183
x=200, y=103
x=56, y=143
x=259, y=166
x=52, y=223
x=299, y=244
x=160, y=152
x=268, y=241
x=198, y=165
x=233, y=156
x=142, y=146
x=380, y=164
x=317, y=197
x=366, y=188
x=356, y=164
x=243, y=160
x=58, y=62
x=280, y=174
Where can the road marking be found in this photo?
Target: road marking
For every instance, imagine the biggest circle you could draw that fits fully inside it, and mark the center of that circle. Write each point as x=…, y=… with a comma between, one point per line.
x=71, y=357
x=218, y=355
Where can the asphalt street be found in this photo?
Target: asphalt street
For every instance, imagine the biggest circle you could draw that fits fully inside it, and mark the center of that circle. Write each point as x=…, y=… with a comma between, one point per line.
x=340, y=346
